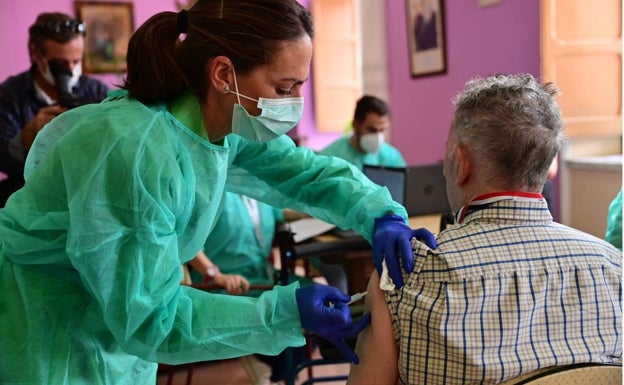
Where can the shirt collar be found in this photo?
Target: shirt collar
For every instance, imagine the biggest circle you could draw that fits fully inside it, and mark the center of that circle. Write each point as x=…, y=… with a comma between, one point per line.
x=486, y=200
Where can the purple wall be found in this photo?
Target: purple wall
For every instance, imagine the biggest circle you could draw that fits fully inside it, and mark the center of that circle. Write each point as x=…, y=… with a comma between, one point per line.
x=480, y=41
x=503, y=38
x=17, y=15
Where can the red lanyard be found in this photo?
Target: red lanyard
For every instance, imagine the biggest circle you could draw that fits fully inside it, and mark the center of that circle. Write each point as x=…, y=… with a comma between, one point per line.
x=489, y=198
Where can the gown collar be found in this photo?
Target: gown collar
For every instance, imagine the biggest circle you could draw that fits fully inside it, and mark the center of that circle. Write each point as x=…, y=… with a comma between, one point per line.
x=187, y=110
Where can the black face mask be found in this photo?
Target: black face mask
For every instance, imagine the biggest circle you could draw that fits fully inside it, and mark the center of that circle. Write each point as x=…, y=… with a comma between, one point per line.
x=62, y=78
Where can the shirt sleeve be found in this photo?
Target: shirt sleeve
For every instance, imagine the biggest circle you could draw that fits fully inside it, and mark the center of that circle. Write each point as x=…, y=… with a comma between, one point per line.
x=11, y=162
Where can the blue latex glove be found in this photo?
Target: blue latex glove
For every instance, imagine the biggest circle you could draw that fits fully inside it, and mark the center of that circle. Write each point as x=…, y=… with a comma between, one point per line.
x=323, y=311
x=391, y=233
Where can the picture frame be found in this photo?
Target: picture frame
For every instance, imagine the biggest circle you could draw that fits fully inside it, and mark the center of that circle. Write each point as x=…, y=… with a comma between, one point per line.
x=109, y=26
x=426, y=37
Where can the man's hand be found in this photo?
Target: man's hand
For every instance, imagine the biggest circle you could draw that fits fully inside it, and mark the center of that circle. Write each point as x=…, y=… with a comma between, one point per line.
x=232, y=283
x=32, y=128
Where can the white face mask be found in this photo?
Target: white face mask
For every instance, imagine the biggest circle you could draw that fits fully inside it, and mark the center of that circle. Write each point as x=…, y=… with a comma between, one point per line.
x=278, y=116
x=371, y=143
x=76, y=73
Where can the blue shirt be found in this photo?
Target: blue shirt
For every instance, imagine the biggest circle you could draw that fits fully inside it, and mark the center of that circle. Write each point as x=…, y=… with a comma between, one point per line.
x=19, y=103
x=508, y=291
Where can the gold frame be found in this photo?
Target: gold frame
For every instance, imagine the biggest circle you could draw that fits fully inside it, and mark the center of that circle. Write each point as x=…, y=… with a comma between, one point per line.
x=109, y=26
x=426, y=37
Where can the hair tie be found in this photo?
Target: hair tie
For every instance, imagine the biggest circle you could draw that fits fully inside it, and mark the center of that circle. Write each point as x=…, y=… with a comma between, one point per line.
x=183, y=21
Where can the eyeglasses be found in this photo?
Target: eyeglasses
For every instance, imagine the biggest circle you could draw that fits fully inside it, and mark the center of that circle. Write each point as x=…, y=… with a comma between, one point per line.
x=71, y=26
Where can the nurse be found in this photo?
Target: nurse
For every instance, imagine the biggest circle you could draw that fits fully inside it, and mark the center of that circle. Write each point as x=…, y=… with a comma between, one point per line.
x=119, y=194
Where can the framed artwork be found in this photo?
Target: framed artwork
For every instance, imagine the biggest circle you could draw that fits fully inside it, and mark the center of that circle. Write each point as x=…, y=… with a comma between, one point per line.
x=109, y=26
x=189, y=3
x=426, y=37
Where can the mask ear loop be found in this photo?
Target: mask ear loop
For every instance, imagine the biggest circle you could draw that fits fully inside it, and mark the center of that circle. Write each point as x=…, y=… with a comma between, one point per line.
x=238, y=94
x=236, y=85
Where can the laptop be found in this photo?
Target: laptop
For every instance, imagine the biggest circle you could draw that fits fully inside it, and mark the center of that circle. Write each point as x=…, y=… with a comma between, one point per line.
x=421, y=189
x=426, y=190
x=393, y=178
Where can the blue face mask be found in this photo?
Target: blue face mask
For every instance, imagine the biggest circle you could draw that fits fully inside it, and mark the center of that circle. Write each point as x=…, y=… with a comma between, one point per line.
x=278, y=116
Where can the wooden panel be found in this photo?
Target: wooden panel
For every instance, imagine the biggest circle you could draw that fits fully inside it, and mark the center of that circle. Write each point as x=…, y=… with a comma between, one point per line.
x=579, y=20
x=593, y=186
x=337, y=62
x=605, y=82
x=582, y=54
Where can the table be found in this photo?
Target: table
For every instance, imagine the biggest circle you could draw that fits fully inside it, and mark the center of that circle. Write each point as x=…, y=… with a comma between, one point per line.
x=354, y=253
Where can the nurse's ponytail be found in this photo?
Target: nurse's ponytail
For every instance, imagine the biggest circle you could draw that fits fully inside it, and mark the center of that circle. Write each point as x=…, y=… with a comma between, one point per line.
x=153, y=72
x=171, y=51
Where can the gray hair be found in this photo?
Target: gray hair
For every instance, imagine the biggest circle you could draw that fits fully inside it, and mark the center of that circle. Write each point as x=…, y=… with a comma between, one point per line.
x=513, y=128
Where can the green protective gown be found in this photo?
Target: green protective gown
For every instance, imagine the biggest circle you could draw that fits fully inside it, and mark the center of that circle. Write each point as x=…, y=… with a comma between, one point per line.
x=237, y=246
x=117, y=196
x=387, y=156
x=613, y=234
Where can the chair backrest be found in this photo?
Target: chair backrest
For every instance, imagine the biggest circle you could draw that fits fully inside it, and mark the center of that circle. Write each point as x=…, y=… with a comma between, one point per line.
x=576, y=374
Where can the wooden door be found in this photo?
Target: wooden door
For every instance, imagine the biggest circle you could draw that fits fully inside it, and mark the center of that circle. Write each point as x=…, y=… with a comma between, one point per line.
x=337, y=62
x=582, y=53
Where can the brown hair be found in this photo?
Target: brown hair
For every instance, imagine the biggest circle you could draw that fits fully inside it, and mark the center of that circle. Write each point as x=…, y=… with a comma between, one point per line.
x=368, y=103
x=161, y=65
x=55, y=26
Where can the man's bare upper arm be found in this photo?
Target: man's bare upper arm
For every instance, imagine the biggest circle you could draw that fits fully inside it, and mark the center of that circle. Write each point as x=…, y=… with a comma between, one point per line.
x=375, y=345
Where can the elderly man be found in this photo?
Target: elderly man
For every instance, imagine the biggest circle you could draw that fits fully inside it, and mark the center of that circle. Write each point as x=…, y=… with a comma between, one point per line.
x=29, y=100
x=508, y=291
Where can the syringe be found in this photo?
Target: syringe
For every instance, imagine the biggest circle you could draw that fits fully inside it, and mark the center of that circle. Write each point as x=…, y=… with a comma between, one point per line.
x=356, y=297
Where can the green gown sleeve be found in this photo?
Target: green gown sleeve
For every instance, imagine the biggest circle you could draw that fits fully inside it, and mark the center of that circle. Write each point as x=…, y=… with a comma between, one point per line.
x=328, y=188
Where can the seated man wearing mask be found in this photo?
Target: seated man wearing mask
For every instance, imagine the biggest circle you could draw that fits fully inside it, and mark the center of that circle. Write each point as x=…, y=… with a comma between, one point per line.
x=367, y=143
x=29, y=100
x=508, y=291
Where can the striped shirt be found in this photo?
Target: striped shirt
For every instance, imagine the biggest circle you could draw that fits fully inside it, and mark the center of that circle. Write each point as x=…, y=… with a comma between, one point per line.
x=507, y=291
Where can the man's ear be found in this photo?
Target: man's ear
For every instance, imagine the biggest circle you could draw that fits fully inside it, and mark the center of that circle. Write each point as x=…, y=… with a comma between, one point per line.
x=33, y=52
x=356, y=127
x=220, y=74
x=464, y=164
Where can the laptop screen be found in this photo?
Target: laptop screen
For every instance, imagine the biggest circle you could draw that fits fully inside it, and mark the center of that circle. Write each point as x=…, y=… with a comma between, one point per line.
x=426, y=190
x=421, y=189
x=394, y=178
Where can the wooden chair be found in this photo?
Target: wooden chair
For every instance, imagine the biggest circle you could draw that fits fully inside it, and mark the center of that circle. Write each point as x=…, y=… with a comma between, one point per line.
x=575, y=374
